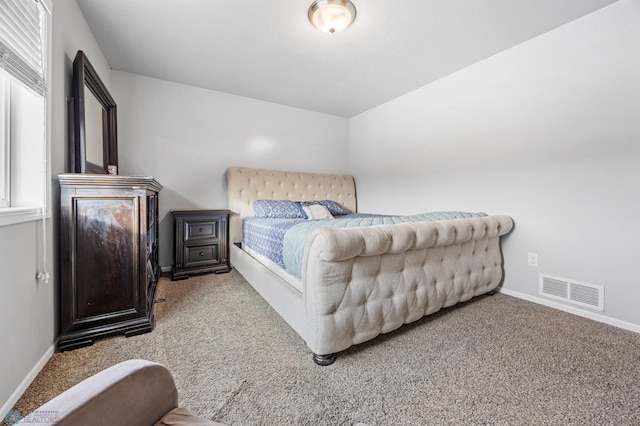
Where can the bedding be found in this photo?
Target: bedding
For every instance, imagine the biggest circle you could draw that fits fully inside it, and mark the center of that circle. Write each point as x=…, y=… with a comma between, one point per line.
x=287, y=209
x=265, y=235
x=333, y=208
x=357, y=282
x=316, y=212
x=277, y=209
x=283, y=240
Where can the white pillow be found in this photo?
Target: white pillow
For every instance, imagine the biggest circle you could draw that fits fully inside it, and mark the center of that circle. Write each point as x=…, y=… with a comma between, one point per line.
x=317, y=211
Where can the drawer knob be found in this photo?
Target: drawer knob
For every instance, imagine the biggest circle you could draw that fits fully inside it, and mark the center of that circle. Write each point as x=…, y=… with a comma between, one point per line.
x=201, y=229
x=201, y=253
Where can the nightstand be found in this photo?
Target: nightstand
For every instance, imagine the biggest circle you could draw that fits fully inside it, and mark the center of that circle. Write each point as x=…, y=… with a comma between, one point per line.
x=201, y=242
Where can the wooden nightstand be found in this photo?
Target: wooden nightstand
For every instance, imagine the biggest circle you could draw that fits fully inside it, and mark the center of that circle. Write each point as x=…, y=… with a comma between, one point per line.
x=201, y=242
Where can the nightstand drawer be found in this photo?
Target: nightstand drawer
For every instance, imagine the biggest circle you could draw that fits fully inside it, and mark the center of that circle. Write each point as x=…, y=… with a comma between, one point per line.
x=199, y=255
x=196, y=230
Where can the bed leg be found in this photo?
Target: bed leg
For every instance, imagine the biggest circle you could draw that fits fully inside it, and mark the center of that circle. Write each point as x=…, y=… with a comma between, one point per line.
x=324, y=359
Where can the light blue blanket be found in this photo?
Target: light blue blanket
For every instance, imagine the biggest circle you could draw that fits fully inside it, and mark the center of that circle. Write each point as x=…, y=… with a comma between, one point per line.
x=296, y=237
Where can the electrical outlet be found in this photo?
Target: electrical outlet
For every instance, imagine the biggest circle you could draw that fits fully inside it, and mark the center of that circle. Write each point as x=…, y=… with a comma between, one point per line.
x=532, y=259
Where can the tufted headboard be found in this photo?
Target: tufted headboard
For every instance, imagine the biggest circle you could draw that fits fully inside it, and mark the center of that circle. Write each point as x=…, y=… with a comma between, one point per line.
x=247, y=185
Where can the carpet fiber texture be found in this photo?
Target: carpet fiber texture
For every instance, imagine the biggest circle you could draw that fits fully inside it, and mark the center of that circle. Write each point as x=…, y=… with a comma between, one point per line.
x=493, y=360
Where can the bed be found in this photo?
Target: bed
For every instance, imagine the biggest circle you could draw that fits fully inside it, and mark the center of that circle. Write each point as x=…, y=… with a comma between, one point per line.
x=358, y=282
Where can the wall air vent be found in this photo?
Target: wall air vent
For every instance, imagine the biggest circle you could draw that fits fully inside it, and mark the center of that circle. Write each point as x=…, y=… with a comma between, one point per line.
x=575, y=292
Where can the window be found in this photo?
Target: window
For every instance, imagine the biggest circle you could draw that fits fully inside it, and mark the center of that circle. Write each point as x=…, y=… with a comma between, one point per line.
x=5, y=155
x=24, y=163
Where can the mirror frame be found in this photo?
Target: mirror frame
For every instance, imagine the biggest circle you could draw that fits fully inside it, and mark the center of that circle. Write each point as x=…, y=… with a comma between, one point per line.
x=84, y=75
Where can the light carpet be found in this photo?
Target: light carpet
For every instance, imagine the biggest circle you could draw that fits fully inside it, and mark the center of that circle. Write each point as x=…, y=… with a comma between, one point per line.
x=494, y=360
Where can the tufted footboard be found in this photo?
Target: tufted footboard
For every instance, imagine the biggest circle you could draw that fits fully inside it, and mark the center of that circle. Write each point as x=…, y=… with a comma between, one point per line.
x=365, y=281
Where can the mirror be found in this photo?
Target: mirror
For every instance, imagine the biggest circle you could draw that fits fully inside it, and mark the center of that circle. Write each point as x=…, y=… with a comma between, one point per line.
x=93, y=130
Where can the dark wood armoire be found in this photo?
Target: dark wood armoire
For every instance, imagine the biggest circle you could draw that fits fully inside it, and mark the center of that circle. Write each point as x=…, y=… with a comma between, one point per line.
x=109, y=256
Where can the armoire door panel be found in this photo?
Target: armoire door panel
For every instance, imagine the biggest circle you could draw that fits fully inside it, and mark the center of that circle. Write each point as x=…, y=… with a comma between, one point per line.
x=106, y=255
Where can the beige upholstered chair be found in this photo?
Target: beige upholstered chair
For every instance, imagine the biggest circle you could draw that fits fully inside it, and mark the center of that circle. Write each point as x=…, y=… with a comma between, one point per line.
x=134, y=392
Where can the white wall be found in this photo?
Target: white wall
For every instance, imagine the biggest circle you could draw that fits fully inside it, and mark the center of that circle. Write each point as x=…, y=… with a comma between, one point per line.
x=547, y=132
x=186, y=137
x=29, y=315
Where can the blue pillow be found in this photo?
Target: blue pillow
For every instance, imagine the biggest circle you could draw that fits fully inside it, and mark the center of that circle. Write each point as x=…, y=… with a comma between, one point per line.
x=277, y=209
x=333, y=208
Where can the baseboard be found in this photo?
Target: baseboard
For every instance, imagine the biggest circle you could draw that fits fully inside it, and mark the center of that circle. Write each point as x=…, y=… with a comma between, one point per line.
x=576, y=311
x=26, y=382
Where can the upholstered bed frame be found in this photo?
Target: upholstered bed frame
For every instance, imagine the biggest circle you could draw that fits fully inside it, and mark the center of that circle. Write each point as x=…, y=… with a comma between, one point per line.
x=360, y=282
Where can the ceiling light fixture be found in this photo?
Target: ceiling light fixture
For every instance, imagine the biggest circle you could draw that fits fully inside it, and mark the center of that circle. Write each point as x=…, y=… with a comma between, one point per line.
x=331, y=16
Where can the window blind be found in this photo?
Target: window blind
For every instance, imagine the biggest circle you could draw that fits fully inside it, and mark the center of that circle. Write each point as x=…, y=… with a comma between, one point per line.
x=22, y=47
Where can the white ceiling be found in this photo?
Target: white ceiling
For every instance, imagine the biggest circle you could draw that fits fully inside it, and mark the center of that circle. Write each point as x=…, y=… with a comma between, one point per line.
x=268, y=49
